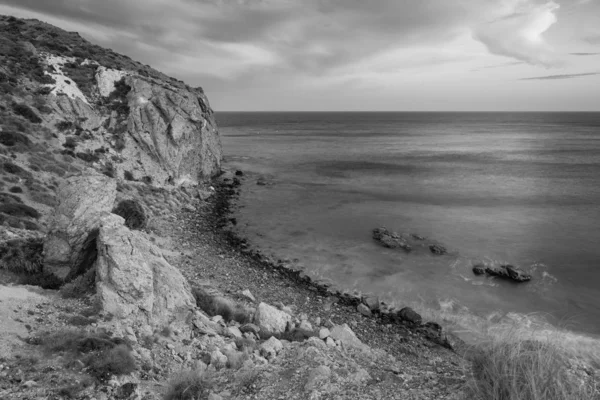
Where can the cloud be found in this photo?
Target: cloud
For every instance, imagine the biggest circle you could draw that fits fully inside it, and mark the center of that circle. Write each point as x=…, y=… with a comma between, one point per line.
x=584, y=54
x=518, y=32
x=562, y=76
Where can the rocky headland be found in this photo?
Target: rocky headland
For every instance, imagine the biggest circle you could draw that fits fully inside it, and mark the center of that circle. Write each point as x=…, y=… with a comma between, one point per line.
x=120, y=277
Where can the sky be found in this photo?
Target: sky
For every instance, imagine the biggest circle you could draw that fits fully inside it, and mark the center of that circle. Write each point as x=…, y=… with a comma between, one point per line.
x=354, y=55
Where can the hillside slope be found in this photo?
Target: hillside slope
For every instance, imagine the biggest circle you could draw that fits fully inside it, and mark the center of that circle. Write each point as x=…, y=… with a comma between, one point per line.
x=67, y=105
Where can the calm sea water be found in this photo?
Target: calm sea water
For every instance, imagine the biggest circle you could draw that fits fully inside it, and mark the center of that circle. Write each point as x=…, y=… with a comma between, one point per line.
x=522, y=188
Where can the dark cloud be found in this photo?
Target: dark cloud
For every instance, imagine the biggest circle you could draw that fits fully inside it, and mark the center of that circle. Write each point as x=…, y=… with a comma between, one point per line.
x=562, y=76
x=584, y=54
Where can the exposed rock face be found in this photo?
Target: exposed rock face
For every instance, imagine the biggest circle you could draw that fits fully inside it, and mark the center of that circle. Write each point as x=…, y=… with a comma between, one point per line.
x=171, y=132
x=134, y=281
x=69, y=248
x=270, y=319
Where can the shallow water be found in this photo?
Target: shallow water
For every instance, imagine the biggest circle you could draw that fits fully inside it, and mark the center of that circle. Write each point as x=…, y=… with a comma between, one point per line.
x=522, y=188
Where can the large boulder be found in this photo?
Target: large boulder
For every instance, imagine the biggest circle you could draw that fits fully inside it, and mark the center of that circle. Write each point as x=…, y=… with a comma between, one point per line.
x=134, y=281
x=345, y=335
x=391, y=240
x=69, y=248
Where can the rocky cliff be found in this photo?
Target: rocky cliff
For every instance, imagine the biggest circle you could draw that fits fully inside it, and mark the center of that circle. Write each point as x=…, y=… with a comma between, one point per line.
x=67, y=105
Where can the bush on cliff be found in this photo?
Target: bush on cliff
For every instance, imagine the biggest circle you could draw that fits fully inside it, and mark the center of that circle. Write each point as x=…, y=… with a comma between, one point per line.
x=190, y=385
x=26, y=112
x=133, y=213
x=22, y=256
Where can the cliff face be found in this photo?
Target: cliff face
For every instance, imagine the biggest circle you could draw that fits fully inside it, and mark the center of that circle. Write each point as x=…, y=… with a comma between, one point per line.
x=67, y=105
x=114, y=114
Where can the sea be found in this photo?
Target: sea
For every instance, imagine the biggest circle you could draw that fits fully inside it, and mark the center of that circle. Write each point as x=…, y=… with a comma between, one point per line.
x=518, y=188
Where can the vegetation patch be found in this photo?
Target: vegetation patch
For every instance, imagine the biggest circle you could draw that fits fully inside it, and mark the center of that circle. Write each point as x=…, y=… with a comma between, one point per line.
x=133, y=213
x=26, y=112
x=19, y=210
x=118, y=98
x=11, y=139
x=190, y=385
x=524, y=370
x=217, y=305
x=22, y=256
x=103, y=355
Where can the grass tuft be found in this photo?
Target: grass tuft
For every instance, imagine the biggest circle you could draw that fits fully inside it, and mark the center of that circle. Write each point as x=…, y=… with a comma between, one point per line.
x=190, y=385
x=133, y=213
x=511, y=368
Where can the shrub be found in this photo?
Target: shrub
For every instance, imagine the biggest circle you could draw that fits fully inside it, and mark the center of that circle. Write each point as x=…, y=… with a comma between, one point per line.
x=88, y=157
x=109, y=170
x=116, y=361
x=15, y=189
x=190, y=385
x=10, y=139
x=128, y=176
x=22, y=256
x=13, y=169
x=26, y=112
x=147, y=180
x=19, y=210
x=132, y=211
x=64, y=125
x=524, y=370
x=118, y=98
x=217, y=305
x=81, y=286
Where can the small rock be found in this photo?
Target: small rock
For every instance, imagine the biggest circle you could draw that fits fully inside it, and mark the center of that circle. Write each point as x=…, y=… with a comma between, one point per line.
x=324, y=333
x=330, y=342
x=247, y=294
x=316, y=377
x=30, y=384
x=214, y=396
x=437, y=249
x=250, y=328
x=479, y=269
x=270, y=348
x=218, y=359
x=364, y=310
x=305, y=325
x=234, y=331
x=318, y=321
x=346, y=336
x=372, y=302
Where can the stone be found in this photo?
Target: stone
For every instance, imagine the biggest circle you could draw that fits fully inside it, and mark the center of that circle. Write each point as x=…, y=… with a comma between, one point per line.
x=390, y=240
x=133, y=279
x=270, y=348
x=317, y=377
x=364, y=310
x=324, y=333
x=437, y=249
x=234, y=331
x=305, y=325
x=372, y=302
x=346, y=336
x=270, y=319
x=505, y=271
x=70, y=246
x=247, y=294
x=409, y=315
x=479, y=269
x=330, y=342
x=250, y=328
x=214, y=396
x=204, y=195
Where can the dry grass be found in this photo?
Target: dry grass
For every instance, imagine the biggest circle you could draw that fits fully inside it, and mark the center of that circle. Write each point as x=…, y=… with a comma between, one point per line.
x=189, y=385
x=511, y=367
x=217, y=305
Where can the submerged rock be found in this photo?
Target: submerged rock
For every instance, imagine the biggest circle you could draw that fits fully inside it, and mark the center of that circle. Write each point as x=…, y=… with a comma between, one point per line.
x=437, y=249
x=390, y=239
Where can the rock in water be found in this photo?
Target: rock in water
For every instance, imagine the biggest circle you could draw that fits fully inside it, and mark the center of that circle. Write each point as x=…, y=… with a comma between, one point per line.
x=390, y=239
x=409, y=315
x=437, y=249
x=270, y=319
x=134, y=281
x=502, y=271
x=69, y=248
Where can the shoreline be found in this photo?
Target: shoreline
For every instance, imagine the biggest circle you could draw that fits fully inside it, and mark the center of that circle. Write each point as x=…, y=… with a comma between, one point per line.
x=226, y=193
